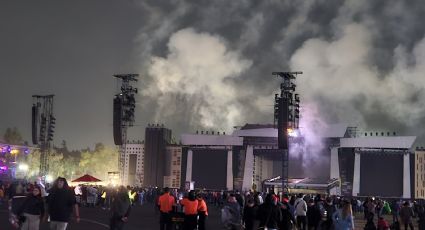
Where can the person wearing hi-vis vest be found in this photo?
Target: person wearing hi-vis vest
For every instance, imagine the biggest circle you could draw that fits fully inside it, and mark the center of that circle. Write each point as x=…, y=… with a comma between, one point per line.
x=165, y=205
x=190, y=205
x=202, y=212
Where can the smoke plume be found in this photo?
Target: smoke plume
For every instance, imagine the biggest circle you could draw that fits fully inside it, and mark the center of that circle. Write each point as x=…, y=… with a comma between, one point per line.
x=208, y=64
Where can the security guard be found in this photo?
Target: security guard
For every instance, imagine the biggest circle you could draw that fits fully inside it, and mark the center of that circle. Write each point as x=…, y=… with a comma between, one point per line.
x=165, y=204
x=190, y=205
x=202, y=212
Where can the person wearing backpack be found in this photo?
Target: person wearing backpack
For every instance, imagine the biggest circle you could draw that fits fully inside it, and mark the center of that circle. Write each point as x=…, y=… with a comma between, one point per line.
x=301, y=212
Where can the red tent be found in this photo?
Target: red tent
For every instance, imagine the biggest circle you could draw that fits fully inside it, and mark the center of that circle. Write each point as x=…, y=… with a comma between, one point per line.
x=86, y=178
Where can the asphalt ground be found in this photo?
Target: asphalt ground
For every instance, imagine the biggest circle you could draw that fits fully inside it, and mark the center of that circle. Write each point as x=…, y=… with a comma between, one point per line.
x=144, y=217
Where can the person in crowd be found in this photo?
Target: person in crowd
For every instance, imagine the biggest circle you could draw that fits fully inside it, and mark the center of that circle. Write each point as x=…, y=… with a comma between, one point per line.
x=60, y=202
x=395, y=206
x=330, y=210
x=301, y=212
x=202, y=212
x=288, y=220
x=165, y=204
x=141, y=196
x=406, y=215
x=190, y=205
x=231, y=214
x=313, y=215
x=421, y=217
x=32, y=210
x=1, y=194
x=249, y=214
x=120, y=209
x=383, y=224
x=269, y=213
x=343, y=218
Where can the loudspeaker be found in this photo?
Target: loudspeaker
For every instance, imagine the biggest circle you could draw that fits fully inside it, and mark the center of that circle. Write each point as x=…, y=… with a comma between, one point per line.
x=117, y=120
x=34, y=124
x=282, y=124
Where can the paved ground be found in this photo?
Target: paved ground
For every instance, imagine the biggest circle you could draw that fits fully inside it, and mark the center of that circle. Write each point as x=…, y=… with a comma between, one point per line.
x=142, y=218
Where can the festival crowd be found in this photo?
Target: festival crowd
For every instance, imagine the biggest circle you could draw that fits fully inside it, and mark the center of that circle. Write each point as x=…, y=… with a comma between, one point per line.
x=31, y=203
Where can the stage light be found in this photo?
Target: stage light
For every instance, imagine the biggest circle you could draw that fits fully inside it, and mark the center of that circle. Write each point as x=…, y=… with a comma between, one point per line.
x=23, y=167
x=14, y=151
x=292, y=132
x=8, y=149
x=27, y=151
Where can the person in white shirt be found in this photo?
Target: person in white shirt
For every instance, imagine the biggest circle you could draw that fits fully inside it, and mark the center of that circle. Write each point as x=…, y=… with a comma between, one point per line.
x=301, y=212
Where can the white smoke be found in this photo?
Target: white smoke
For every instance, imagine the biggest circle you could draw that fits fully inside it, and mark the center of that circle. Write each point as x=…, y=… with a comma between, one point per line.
x=312, y=129
x=198, y=66
x=338, y=71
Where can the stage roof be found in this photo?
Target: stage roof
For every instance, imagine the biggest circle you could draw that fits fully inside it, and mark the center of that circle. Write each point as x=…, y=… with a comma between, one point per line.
x=211, y=140
x=393, y=142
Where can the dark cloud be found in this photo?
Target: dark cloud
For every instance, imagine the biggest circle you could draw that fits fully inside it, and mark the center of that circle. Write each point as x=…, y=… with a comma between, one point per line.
x=72, y=49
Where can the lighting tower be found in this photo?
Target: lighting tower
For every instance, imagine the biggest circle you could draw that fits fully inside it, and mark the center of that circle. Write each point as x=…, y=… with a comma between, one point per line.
x=124, y=107
x=286, y=115
x=43, y=128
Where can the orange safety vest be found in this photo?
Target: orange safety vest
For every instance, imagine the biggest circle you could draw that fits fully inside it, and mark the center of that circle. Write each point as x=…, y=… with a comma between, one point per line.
x=190, y=207
x=202, y=206
x=166, y=203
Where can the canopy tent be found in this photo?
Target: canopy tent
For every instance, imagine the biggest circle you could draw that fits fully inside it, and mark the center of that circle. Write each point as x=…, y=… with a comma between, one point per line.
x=87, y=178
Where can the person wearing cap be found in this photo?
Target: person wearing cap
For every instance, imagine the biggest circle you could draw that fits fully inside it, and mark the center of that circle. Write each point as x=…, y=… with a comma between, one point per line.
x=165, y=204
x=190, y=205
x=202, y=212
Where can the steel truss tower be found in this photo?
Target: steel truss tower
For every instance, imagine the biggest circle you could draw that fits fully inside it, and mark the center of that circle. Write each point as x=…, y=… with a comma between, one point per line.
x=286, y=115
x=43, y=125
x=124, y=108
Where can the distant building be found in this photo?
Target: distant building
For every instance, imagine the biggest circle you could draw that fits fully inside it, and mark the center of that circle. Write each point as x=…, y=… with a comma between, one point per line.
x=173, y=169
x=420, y=174
x=157, y=137
x=134, y=163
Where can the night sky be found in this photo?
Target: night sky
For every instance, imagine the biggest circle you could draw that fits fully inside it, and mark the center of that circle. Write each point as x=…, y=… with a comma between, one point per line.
x=207, y=64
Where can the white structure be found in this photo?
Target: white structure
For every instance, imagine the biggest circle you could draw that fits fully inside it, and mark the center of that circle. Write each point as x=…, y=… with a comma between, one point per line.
x=172, y=178
x=253, y=158
x=133, y=165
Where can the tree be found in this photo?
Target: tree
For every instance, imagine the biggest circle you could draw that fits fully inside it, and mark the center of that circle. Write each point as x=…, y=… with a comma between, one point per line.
x=99, y=162
x=12, y=136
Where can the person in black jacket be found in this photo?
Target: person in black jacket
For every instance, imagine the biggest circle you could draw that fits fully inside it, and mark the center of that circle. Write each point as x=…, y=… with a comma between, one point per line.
x=288, y=219
x=120, y=209
x=249, y=214
x=313, y=215
x=32, y=210
x=330, y=210
x=60, y=202
x=269, y=213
